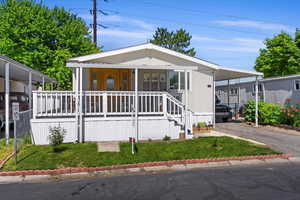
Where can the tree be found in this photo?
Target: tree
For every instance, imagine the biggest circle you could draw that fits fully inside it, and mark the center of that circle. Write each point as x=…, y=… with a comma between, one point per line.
x=297, y=37
x=43, y=38
x=280, y=57
x=178, y=41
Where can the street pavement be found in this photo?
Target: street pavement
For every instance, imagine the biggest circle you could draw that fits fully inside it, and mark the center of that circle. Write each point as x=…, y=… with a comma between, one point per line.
x=275, y=181
x=278, y=140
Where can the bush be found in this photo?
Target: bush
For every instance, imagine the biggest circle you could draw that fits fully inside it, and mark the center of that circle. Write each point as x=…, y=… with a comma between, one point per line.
x=249, y=111
x=267, y=113
x=290, y=115
x=166, y=138
x=56, y=137
x=201, y=125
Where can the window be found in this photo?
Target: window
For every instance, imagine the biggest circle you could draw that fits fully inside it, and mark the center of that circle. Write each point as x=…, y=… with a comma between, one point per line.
x=155, y=81
x=297, y=85
x=110, y=83
x=259, y=88
x=233, y=91
x=147, y=81
x=173, y=79
x=162, y=82
x=125, y=81
x=182, y=80
x=94, y=82
x=13, y=98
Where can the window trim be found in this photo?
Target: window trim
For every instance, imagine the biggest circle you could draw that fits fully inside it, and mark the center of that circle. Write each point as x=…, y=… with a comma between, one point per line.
x=295, y=84
x=189, y=74
x=261, y=86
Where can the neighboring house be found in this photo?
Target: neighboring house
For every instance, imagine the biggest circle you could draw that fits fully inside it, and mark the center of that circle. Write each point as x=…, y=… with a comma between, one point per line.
x=279, y=90
x=16, y=83
x=174, y=91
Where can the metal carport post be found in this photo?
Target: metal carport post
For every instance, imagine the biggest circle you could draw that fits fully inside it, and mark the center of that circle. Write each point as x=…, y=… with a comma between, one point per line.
x=256, y=101
x=7, y=113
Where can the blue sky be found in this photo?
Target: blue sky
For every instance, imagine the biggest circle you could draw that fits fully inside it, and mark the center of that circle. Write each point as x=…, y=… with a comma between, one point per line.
x=229, y=32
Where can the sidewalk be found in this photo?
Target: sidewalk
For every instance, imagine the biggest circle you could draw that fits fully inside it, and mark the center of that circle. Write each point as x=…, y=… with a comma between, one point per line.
x=152, y=167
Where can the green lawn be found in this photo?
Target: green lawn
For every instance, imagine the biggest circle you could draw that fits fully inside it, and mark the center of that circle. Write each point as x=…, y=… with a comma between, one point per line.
x=86, y=155
x=4, y=149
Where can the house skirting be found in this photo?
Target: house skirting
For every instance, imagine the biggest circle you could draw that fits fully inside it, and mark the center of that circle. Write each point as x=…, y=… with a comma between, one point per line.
x=109, y=129
x=202, y=117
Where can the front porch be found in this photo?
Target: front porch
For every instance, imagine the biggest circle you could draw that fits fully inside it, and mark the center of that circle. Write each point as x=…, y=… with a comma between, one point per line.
x=108, y=115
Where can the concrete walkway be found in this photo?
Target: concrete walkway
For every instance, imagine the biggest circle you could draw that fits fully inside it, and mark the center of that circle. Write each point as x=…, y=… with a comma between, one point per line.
x=108, y=146
x=278, y=140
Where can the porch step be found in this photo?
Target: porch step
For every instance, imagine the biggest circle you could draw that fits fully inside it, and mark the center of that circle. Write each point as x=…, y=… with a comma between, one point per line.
x=108, y=146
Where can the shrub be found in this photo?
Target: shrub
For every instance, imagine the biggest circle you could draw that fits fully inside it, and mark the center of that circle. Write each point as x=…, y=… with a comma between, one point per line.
x=56, y=137
x=249, y=111
x=166, y=138
x=201, y=124
x=267, y=113
x=290, y=115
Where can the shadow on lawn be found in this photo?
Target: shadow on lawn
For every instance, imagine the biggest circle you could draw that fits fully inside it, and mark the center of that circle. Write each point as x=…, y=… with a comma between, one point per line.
x=25, y=157
x=59, y=149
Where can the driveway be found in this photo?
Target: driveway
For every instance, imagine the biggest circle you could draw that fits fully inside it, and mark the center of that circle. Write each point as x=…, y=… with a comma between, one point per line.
x=278, y=140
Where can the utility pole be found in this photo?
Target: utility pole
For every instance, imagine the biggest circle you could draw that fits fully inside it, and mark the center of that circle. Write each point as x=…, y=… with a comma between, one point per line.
x=95, y=21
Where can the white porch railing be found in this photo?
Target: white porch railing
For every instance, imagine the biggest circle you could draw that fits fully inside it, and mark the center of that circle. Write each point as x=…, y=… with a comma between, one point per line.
x=105, y=104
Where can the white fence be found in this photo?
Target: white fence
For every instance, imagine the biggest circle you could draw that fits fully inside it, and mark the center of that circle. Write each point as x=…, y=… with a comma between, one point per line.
x=104, y=104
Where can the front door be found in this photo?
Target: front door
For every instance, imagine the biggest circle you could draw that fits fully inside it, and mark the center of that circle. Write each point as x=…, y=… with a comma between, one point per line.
x=110, y=79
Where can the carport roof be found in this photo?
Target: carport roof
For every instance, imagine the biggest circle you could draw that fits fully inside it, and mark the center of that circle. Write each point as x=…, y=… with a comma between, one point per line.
x=223, y=73
x=20, y=72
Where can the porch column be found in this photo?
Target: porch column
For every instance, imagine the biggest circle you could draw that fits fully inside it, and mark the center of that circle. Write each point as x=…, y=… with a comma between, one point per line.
x=214, y=99
x=43, y=83
x=80, y=107
x=228, y=89
x=75, y=88
x=239, y=97
x=186, y=103
x=30, y=92
x=256, y=101
x=136, y=109
x=7, y=102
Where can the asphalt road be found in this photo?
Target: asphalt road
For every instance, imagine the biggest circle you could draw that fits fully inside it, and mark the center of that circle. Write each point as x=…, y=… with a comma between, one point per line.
x=280, y=141
x=277, y=181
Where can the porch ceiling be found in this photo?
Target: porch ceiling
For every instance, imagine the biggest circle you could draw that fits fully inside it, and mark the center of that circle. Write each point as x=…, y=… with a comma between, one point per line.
x=20, y=72
x=223, y=74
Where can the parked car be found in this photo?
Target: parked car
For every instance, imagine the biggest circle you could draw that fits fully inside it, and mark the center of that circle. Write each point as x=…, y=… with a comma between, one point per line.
x=223, y=113
x=19, y=97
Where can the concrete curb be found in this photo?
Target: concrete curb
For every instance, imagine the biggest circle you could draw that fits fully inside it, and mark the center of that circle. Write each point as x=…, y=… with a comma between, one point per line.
x=176, y=165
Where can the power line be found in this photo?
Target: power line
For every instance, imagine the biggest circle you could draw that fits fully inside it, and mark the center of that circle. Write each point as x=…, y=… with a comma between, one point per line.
x=95, y=24
x=95, y=21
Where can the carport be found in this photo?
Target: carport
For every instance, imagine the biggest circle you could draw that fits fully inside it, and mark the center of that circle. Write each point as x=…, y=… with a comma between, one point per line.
x=13, y=70
x=227, y=74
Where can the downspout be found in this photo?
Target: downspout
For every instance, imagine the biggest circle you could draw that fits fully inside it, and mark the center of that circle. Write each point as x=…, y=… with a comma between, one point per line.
x=214, y=99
